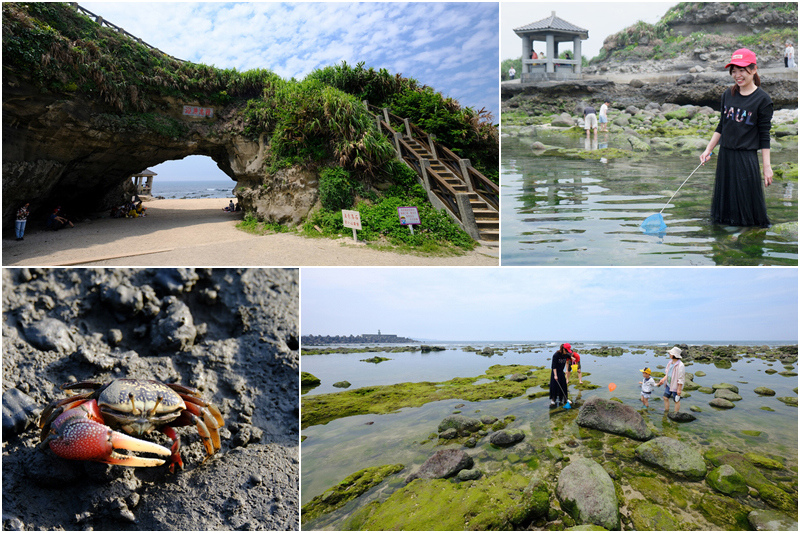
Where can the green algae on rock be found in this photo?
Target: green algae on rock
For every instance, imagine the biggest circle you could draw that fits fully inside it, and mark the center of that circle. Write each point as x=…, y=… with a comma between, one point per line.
x=727, y=480
x=350, y=488
x=323, y=408
x=498, y=502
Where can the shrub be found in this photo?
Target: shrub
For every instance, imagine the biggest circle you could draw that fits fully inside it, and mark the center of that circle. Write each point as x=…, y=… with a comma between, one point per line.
x=335, y=189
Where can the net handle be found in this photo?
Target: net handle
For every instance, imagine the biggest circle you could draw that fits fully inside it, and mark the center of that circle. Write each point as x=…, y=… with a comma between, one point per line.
x=679, y=188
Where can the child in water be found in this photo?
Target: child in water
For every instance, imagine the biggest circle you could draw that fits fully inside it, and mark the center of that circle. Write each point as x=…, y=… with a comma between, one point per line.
x=648, y=385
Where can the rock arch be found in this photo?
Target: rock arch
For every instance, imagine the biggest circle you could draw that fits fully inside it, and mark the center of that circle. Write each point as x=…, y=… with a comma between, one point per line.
x=66, y=149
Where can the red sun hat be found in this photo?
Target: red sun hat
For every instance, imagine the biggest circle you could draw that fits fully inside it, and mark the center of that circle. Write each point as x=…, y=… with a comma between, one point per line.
x=742, y=58
x=567, y=346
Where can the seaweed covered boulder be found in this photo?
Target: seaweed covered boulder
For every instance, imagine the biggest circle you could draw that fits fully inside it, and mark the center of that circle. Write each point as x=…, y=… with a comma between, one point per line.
x=463, y=425
x=613, y=417
x=727, y=480
x=587, y=494
x=443, y=464
x=506, y=437
x=673, y=456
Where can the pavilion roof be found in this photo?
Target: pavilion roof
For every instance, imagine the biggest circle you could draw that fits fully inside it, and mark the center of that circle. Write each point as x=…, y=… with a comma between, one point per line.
x=551, y=23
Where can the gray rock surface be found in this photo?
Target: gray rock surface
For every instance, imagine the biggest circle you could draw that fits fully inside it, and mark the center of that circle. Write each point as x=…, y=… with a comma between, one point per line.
x=727, y=394
x=613, y=417
x=443, y=464
x=506, y=437
x=722, y=403
x=673, y=456
x=587, y=494
x=464, y=425
x=769, y=520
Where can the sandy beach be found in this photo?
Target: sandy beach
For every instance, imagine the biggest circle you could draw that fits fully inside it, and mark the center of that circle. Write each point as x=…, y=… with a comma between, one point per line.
x=197, y=232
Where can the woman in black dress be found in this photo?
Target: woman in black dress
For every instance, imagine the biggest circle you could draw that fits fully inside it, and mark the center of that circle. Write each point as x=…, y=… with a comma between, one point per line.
x=558, y=381
x=746, y=117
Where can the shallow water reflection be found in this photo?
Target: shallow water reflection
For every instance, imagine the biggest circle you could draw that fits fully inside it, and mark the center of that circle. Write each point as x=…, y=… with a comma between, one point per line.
x=588, y=212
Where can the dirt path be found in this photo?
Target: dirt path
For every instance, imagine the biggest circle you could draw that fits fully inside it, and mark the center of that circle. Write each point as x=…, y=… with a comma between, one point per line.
x=199, y=233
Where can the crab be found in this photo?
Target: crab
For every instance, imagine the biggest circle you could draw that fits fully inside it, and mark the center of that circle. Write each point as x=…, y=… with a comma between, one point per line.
x=83, y=426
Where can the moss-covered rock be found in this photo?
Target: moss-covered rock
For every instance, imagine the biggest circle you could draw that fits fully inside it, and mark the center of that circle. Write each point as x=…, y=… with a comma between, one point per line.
x=309, y=380
x=764, y=391
x=762, y=461
x=673, y=456
x=495, y=502
x=723, y=511
x=587, y=494
x=727, y=480
x=646, y=516
x=788, y=400
x=350, y=488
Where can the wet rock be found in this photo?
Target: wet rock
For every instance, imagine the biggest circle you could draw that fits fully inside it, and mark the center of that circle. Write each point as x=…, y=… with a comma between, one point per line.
x=587, y=494
x=506, y=437
x=613, y=417
x=727, y=480
x=19, y=412
x=469, y=475
x=764, y=391
x=449, y=433
x=125, y=299
x=789, y=400
x=769, y=520
x=175, y=280
x=114, y=336
x=50, y=334
x=342, y=384
x=443, y=464
x=488, y=420
x=648, y=516
x=721, y=403
x=174, y=327
x=673, y=456
x=517, y=377
x=681, y=417
x=718, y=386
x=464, y=425
x=727, y=394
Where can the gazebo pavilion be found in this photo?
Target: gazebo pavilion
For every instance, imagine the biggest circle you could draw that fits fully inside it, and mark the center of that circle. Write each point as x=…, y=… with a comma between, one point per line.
x=147, y=187
x=552, y=30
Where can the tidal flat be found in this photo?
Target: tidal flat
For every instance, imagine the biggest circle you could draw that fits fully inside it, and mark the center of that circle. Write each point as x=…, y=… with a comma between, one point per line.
x=367, y=441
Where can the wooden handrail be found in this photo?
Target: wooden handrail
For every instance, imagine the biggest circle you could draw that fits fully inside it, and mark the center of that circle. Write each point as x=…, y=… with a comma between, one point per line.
x=103, y=22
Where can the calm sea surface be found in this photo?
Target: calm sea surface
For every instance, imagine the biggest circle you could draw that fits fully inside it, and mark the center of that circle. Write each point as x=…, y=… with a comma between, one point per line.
x=193, y=189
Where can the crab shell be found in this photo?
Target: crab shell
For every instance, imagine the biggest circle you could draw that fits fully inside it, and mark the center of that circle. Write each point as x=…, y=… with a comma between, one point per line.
x=133, y=406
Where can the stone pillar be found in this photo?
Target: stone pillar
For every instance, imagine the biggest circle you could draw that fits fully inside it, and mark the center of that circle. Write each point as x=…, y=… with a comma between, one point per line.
x=425, y=165
x=408, y=128
x=464, y=165
x=467, y=215
x=552, y=53
x=526, y=52
x=432, y=145
x=576, y=48
x=397, y=138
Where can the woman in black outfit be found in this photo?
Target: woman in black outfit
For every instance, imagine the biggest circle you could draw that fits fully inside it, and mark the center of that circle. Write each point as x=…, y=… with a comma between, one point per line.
x=746, y=117
x=558, y=381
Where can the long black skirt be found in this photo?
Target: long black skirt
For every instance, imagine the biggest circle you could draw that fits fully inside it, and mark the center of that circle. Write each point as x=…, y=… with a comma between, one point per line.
x=738, y=191
x=558, y=388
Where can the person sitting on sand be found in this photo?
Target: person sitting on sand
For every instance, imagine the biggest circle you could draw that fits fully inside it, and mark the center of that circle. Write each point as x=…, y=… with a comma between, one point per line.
x=648, y=386
x=231, y=208
x=140, y=209
x=56, y=221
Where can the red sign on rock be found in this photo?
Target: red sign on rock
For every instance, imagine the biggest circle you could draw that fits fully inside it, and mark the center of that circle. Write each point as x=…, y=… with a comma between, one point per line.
x=195, y=111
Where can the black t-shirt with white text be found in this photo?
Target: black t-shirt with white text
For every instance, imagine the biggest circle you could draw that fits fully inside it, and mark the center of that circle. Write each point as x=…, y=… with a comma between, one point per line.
x=745, y=120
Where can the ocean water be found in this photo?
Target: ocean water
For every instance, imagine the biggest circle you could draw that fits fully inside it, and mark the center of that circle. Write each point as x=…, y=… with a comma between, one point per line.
x=194, y=189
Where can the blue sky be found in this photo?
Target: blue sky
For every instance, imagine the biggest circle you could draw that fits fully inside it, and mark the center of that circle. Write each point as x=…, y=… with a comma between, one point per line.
x=553, y=304
x=451, y=47
x=600, y=18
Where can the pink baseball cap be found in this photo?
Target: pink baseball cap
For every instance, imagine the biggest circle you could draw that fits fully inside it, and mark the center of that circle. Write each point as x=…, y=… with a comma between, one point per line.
x=742, y=58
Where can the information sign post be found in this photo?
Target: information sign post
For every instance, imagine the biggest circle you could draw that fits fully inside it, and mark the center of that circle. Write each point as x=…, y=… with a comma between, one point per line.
x=352, y=219
x=409, y=216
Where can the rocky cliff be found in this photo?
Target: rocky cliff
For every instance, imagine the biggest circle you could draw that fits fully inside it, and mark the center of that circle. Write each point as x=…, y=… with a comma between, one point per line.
x=74, y=151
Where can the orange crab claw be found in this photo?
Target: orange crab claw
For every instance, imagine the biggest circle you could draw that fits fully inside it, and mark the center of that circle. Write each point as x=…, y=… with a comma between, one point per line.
x=87, y=440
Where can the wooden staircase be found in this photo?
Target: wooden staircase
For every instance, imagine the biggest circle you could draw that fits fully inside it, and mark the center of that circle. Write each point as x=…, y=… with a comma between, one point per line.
x=470, y=198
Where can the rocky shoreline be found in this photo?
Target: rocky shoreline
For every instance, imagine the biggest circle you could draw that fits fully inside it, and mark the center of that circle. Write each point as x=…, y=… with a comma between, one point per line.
x=601, y=464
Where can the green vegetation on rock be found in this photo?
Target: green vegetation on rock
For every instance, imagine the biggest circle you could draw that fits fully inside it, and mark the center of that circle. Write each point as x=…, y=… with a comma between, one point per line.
x=323, y=408
x=350, y=488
